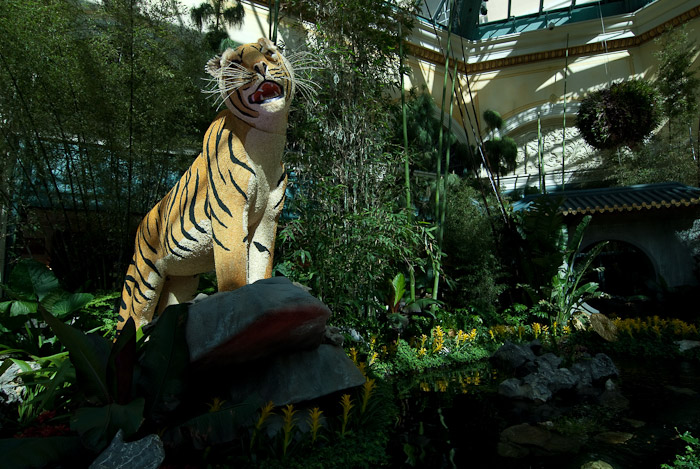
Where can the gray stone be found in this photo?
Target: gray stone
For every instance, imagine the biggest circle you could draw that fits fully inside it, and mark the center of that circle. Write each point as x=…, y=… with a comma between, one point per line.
x=603, y=326
x=537, y=436
x=596, y=465
x=550, y=359
x=536, y=386
x=511, y=388
x=602, y=368
x=11, y=386
x=685, y=345
x=146, y=453
x=614, y=438
x=511, y=356
x=299, y=376
x=265, y=318
x=561, y=379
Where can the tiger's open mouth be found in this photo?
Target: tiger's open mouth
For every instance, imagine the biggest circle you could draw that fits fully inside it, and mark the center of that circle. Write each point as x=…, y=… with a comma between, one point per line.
x=267, y=91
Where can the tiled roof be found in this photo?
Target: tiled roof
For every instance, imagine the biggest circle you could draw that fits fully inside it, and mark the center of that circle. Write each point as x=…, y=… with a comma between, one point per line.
x=622, y=199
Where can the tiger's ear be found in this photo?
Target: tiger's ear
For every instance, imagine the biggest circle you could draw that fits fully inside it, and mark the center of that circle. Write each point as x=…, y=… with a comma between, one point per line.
x=215, y=64
x=267, y=45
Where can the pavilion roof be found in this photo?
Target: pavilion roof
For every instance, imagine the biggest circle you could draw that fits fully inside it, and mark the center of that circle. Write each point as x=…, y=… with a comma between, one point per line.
x=621, y=199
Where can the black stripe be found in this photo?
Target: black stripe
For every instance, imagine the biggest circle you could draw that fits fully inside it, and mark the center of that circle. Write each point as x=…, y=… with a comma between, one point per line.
x=282, y=178
x=129, y=278
x=170, y=248
x=213, y=235
x=235, y=160
x=260, y=247
x=119, y=318
x=149, y=263
x=178, y=245
x=192, y=216
x=212, y=185
x=240, y=99
x=182, y=204
x=280, y=201
x=213, y=215
x=245, y=240
x=143, y=237
x=216, y=151
x=128, y=289
x=143, y=280
x=138, y=289
x=238, y=188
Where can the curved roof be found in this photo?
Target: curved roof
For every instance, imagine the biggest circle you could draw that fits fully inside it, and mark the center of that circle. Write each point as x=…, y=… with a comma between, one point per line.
x=621, y=199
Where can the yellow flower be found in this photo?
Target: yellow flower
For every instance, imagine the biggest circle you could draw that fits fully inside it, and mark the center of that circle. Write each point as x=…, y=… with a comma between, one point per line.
x=346, y=404
x=314, y=420
x=373, y=358
x=537, y=329
x=265, y=412
x=288, y=424
x=216, y=404
x=423, y=339
x=422, y=351
x=367, y=391
x=438, y=339
x=353, y=355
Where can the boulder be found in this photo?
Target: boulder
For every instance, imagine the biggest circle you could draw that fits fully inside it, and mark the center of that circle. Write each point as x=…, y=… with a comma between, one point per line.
x=603, y=326
x=268, y=317
x=596, y=465
x=511, y=356
x=298, y=376
x=526, y=436
x=146, y=453
x=602, y=368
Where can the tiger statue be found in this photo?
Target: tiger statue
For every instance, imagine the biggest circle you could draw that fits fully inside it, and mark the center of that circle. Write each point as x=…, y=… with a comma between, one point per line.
x=222, y=214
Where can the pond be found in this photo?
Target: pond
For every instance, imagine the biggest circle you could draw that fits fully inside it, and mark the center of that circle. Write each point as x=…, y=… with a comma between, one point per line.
x=455, y=418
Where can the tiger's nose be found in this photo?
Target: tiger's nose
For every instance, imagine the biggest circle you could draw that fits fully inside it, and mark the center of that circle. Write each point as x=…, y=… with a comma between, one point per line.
x=261, y=68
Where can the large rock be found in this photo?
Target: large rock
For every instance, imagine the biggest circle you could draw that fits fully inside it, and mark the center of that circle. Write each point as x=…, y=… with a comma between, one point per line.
x=146, y=453
x=603, y=326
x=539, y=378
x=519, y=440
x=511, y=356
x=298, y=376
x=265, y=318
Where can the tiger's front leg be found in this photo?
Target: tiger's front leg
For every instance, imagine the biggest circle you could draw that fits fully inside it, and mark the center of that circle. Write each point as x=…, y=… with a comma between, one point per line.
x=230, y=246
x=262, y=246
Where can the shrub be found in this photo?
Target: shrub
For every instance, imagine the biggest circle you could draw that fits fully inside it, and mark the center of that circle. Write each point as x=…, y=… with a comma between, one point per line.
x=622, y=115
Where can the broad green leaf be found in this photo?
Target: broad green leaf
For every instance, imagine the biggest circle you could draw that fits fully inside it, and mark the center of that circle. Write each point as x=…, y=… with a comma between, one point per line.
x=60, y=303
x=89, y=355
x=398, y=285
x=22, y=308
x=121, y=363
x=165, y=359
x=32, y=280
x=41, y=452
x=43, y=280
x=98, y=425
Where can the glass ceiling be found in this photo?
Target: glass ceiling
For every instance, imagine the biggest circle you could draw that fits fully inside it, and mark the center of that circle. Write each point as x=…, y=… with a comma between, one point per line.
x=480, y=19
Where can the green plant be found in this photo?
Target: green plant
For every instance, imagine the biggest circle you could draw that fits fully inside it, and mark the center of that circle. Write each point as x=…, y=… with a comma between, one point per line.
x=33, y=289
x=691, y=457
x=568, y=290
x=624, y=114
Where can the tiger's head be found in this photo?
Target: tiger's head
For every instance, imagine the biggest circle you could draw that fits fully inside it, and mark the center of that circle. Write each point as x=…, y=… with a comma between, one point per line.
x=256, y=82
